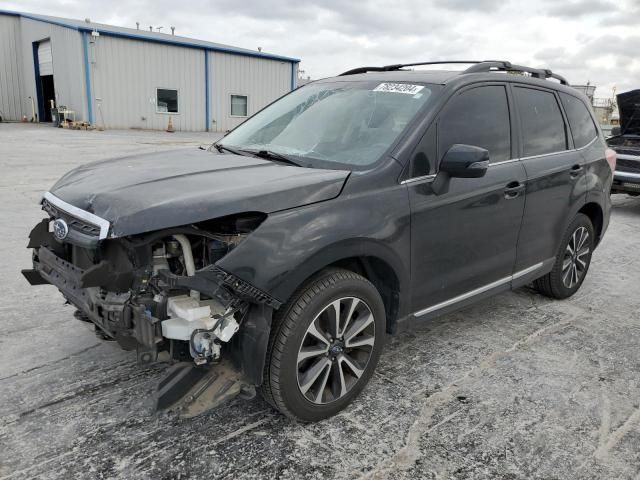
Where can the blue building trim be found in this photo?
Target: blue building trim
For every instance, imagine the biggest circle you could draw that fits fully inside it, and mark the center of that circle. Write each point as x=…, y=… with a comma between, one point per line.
x=38, y=80
x=39, y=19
x=293, y=75
x=87, y=76
x=180, y=43
x=207, y=114
x=145, y=38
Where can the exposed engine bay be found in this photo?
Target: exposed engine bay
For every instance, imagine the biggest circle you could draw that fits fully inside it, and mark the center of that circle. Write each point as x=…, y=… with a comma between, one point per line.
x=160, y=292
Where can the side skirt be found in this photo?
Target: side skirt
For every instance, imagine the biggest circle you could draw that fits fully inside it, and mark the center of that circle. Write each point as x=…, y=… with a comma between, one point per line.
x=511, y=282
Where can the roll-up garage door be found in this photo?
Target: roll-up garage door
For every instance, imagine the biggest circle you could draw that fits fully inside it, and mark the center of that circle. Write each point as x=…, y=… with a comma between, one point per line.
x=44, y=58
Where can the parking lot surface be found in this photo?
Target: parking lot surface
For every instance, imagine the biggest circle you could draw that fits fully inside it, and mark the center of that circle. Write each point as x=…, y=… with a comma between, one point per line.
x=518, y=386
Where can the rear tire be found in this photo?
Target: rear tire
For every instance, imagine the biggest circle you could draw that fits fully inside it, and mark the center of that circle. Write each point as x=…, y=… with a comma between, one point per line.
x=318, y=362
x=572, y=260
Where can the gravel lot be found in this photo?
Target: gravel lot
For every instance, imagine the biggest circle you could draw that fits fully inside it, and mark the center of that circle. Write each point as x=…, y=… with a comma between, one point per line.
x=515, y=387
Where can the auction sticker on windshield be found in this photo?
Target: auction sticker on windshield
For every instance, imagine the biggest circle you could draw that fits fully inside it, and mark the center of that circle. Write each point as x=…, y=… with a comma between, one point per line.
x=398, y=88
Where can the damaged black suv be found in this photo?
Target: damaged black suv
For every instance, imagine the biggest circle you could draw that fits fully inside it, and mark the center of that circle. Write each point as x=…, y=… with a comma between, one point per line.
x=278, y=259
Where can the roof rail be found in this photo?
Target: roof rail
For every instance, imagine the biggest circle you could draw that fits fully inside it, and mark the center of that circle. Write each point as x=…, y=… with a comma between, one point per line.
x=504, y=66
x=476, y=67
x=388, y=68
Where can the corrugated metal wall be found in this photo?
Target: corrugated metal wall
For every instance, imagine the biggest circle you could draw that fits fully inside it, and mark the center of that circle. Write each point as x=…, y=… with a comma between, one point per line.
x=68, y=68
x=11, y=77
x=261, y=80
x=126, y=74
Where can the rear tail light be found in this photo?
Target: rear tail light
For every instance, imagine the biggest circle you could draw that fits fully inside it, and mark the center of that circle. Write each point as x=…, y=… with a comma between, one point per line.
x=611, y=158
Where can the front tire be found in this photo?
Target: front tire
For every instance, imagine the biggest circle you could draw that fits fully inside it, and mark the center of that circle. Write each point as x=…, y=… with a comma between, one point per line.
x=572, y=260
x=324, y=346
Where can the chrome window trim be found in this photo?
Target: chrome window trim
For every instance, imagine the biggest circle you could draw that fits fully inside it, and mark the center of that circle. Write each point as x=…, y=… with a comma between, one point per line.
x=433, y=175
x=587, y=145
x=561, y=151
x=546, y=154
x=478, y=291
x=79, y=213
x=502, y=162
x=418, y=179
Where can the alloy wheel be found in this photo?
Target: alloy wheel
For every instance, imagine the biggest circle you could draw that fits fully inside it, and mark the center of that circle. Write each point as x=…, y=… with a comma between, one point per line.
x=575, y=261
x=335, y=350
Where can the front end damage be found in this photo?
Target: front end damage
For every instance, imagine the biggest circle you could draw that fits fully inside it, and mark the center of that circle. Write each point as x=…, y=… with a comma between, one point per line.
x=162, y=295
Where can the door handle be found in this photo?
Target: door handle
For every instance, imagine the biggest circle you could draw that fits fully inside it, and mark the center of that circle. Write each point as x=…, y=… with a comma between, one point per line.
x=513, y=189
x=575, y=171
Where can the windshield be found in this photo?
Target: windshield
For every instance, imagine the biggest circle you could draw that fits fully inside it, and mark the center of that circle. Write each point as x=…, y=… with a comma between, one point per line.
x=349, y=123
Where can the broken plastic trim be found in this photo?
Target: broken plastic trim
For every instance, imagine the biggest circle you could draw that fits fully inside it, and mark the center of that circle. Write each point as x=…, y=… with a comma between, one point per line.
x=208, y=280
x=189, y=390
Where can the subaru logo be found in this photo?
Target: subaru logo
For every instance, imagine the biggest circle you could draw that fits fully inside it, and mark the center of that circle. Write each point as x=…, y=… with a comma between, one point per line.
x=60, y=229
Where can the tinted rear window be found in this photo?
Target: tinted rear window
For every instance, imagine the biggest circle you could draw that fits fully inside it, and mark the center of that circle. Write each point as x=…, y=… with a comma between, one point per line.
x=543, y=129
x=580, y=120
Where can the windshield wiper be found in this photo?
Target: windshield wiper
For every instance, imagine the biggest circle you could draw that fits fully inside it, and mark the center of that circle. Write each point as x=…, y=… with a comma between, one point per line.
x=266, y=154
x=271, y=155
x=221, y=148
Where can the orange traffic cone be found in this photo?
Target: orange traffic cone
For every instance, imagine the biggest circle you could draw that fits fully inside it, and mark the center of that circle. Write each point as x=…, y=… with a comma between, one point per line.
x=170, y=126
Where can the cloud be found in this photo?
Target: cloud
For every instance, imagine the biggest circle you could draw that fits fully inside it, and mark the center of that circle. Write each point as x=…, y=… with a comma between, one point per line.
x=331, y=36
x=629, y=16
x=578, y=8
x=471, y=5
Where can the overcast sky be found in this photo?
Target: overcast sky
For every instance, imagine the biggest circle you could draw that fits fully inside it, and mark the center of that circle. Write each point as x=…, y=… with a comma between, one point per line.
x=584, y=40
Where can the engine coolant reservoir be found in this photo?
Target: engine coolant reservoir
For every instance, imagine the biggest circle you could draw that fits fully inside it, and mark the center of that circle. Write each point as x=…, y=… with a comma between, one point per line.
x=188, y=314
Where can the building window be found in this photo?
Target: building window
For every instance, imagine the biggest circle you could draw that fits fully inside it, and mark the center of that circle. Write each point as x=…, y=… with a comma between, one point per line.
x=239, y=105
x=166, y=100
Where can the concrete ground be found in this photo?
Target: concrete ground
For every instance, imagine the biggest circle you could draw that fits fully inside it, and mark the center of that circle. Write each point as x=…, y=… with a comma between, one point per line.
x=518, y=386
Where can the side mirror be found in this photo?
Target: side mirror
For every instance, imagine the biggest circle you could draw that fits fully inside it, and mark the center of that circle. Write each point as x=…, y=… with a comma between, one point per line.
x=465, y=161
x=615, y=131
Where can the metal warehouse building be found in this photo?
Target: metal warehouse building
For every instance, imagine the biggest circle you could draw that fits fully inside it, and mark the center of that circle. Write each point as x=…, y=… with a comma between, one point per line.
x=127, y=78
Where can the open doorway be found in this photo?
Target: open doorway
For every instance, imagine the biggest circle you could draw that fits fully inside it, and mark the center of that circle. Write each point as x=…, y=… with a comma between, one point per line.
x=48, y=96
x=45, y=87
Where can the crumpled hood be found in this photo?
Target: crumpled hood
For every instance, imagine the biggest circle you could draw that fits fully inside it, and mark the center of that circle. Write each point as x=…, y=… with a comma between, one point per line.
x=629, y=108
x=139, y=194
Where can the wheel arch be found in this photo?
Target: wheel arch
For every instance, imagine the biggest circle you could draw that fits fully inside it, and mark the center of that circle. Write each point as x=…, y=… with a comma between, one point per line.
x=374, y=261
x=595, y=213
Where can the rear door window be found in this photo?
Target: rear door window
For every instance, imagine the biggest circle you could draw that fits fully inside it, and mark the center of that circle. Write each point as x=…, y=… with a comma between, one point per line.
x=543, y=128
x=478, y=117
x=580, y=121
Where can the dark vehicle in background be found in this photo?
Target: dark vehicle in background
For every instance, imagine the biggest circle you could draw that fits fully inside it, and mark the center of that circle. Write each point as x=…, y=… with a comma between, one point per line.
x=281, y=258
x=626, y=143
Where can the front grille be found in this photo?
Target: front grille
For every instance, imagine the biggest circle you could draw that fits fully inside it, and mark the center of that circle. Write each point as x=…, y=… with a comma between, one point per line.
x=626, y=165
x=74, y=223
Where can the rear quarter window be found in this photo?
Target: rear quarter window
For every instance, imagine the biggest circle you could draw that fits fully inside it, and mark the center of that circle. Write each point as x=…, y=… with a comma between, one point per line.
x=580, y=120
x=543, y=128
